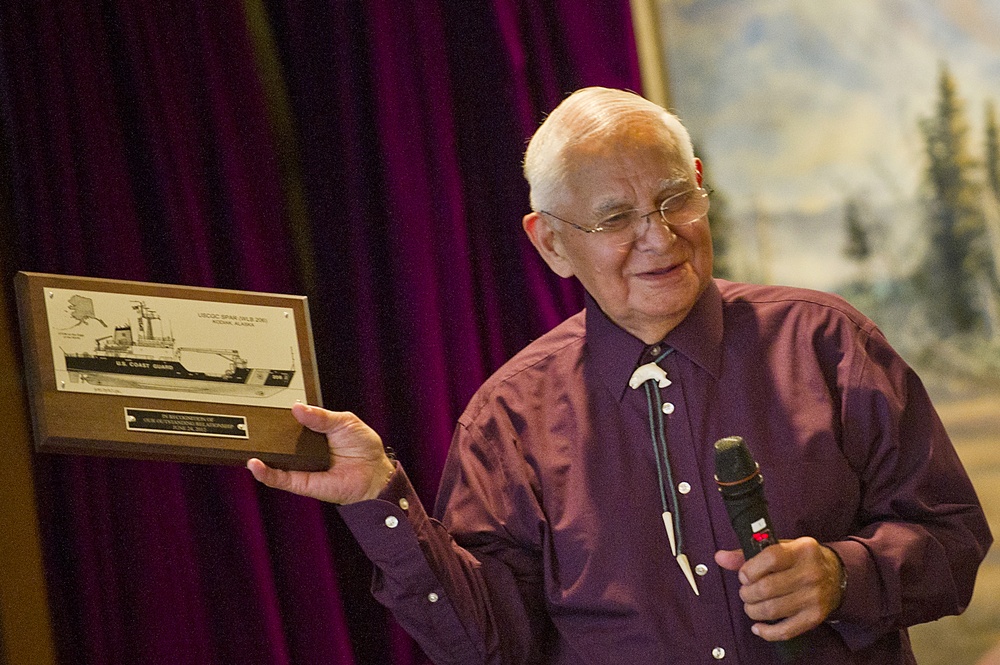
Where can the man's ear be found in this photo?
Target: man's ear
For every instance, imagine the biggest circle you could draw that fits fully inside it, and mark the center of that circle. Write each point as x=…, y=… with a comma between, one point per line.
x=548, y=243
x=698, y=171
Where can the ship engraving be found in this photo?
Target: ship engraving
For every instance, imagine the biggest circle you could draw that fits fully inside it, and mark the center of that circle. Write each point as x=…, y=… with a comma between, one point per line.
x=145, y=355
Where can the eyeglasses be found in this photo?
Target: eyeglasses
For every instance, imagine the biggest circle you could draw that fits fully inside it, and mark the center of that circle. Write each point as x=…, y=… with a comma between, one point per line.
x=626, y=226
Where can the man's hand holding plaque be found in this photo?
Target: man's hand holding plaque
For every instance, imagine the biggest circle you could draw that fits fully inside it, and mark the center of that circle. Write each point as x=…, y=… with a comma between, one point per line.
x=359, y=467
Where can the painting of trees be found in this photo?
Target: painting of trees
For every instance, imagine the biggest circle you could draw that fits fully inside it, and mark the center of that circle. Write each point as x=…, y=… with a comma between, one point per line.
x=955, y=277
x=952, y=271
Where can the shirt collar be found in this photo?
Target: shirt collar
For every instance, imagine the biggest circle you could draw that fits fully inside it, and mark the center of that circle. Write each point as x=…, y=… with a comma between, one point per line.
x=615, y=352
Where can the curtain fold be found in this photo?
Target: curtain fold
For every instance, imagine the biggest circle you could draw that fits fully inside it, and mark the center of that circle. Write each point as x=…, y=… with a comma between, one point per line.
x=365, y=154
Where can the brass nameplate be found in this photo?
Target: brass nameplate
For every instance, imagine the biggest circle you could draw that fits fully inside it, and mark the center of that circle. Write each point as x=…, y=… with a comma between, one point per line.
x=186, y=422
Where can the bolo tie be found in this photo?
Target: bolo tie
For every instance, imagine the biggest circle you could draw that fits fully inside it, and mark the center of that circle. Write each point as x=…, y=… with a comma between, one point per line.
x=652, y=377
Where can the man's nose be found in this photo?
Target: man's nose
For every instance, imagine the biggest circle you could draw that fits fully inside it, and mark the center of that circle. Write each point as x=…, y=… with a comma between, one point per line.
x=654, y=231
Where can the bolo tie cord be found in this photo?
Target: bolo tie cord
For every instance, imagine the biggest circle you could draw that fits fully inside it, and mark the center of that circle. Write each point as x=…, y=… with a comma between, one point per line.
x=652, y=377
x=659, y=439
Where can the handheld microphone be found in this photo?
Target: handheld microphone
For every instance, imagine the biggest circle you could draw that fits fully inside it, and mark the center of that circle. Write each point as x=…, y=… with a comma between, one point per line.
x=742, y=489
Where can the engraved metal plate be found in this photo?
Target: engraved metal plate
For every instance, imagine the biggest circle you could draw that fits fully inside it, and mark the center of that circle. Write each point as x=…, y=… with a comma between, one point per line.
x=186, y=422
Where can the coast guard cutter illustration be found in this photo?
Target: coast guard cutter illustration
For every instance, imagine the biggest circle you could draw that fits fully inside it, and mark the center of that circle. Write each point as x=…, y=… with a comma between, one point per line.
x=145, y=356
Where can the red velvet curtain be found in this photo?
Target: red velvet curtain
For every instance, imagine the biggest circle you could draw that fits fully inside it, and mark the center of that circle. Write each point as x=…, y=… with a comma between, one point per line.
x=366, y=154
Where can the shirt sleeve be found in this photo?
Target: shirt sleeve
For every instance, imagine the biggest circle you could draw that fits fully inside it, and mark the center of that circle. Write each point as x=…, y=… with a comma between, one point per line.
x=480, y=604
x=922, y=532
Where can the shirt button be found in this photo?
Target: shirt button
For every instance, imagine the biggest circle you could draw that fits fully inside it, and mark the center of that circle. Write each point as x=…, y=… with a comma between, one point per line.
x=718, y=653
x=668, y=408
x=391, y=521
x=433, y=597
x=683, y=487
x=655, y=351
x=701, y=569
x=404, y=504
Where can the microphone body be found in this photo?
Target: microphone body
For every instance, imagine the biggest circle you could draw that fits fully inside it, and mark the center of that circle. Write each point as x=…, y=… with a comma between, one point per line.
x=742, y=489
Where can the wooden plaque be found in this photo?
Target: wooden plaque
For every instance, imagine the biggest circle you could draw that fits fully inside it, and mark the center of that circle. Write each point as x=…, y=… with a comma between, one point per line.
x=179, y=373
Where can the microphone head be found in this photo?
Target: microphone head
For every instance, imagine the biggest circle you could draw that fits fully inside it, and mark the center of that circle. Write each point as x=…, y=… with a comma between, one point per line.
x=733, y=462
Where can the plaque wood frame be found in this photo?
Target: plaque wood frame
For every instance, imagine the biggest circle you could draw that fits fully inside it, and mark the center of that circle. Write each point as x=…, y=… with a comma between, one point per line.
x=95, y=424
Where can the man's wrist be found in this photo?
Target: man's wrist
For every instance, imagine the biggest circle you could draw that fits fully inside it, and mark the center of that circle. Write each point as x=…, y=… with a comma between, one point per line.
x=841, y=581
x=381, y=478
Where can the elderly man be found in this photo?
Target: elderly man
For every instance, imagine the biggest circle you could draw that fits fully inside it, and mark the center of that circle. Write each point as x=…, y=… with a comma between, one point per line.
x=578, y=519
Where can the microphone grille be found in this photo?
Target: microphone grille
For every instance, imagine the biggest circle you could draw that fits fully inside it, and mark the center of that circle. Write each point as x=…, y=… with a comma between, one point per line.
x=733, y=462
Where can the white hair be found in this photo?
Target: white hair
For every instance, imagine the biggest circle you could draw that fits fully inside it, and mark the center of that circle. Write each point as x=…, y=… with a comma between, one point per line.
x=594, y=114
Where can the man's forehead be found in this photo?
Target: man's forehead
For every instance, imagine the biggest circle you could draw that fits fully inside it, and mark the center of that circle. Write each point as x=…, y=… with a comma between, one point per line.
x=610, y=176
x=635, y=143
x=665, y=186
x=602, y=170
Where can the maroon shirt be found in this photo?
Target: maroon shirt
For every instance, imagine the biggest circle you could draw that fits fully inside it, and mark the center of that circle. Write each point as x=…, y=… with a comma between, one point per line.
x=551, y=547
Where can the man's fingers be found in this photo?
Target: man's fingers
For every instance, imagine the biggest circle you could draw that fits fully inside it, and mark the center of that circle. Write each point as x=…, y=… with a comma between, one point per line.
x=306, y=483
x=778, y=622
x=316, y=419
x=730, y=559
x=276, y=478
x=263, y=472
x=783, y=630
x=781, y=618
x=342, y=428
x=771, y=608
